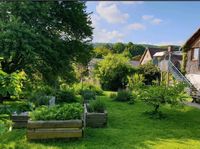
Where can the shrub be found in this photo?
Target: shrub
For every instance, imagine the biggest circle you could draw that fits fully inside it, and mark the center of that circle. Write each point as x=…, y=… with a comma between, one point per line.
x=135, y=81
x=159, y=95
x=87, y=86
x=88, y=94
x=112, y=95
x=58, y=112
x=5, y=123
x=150, y=73
x=39, y=99
x=21, y=106
x=96, y=106
x=124, y=95
x=113, y=71
x=67, y=96
x=11, y=84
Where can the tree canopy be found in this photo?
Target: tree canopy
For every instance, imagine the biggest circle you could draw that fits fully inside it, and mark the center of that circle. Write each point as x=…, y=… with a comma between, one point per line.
x=113, y=71
x=44, y=38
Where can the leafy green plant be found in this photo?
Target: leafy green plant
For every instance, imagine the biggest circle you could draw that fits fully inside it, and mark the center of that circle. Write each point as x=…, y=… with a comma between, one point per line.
x=124, y=95
x=11, y=84
x=58, y=112
x=5, y=123
x=88, y=94
x=78, y=87
x=150, y=73
x=66, y=96
x=135, y=81
x=97, y=106
x=112, y=95
x=113, y=70
x=158, y=95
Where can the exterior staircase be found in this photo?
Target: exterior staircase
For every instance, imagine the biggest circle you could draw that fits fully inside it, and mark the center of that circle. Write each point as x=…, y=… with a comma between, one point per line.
x=193, y=91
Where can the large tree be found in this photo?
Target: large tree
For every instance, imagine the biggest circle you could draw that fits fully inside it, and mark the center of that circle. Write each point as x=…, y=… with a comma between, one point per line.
x=44, y=38
x=113, y=71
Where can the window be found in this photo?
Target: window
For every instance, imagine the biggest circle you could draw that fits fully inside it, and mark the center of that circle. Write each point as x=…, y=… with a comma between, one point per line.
x=195, y=54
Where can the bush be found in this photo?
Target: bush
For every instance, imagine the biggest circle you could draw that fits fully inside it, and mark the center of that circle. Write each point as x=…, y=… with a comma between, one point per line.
x=5, y=123
x=150, y=73
x=159, y=95
x=87, y=86
x=97, y=106
x=67, y=96
x=11, y=84
x=112, y=95
x=88, y=94
x=124, y=95
x=39, y=99
x=135, y=82
x=58, y=112
x=113, y=71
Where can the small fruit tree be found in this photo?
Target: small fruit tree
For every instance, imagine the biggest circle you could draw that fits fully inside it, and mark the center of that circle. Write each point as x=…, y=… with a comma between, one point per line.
x=158, y=95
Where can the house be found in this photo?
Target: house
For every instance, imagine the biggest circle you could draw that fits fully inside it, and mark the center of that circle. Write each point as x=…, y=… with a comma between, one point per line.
x=161, y=58
x=191, y=48
x=149, y=53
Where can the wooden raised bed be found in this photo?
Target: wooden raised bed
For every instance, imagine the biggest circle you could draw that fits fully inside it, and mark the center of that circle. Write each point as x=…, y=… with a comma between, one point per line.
x=20, y=121
x=95, y=119
x=54, y=129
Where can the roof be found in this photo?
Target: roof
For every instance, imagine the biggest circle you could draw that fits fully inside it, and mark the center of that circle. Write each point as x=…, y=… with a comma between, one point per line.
x=192, y=38
x=152, y=51
x=160, y=53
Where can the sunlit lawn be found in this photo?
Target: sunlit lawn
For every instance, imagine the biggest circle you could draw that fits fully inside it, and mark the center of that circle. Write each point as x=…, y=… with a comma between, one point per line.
x=127, y=128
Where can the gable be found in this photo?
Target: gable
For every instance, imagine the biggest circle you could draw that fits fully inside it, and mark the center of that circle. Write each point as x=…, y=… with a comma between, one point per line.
x=194, y=40
x=146, y=58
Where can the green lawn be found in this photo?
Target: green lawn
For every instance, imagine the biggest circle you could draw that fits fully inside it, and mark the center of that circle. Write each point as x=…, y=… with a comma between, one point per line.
x=128, y=128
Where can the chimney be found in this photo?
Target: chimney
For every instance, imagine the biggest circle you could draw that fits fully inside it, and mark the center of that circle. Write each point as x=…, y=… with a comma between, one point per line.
x=170, y=48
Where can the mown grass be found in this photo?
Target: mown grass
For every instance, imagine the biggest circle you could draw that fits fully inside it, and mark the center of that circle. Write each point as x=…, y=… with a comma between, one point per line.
x=127, y=128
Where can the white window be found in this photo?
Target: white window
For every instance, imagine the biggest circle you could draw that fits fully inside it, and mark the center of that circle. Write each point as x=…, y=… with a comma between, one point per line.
x=195, y=54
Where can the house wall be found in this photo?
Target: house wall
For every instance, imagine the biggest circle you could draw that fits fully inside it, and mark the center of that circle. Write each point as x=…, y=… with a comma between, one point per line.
x=192, y=66
x=146, y=58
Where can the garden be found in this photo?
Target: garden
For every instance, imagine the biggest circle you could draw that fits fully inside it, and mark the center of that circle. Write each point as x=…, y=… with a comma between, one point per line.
x=50, y=99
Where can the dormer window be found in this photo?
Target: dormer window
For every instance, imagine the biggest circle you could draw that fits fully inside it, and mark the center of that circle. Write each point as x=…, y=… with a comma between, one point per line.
x=195, y=54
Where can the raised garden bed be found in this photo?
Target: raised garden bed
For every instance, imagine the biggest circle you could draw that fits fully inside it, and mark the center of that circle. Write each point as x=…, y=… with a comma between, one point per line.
x=53, y=129
x=94, y=119
x=20, y=120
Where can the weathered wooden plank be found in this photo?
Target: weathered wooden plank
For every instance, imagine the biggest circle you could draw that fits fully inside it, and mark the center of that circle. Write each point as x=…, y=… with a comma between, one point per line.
x=19, y=124
x=31, y=134
x=19, y=118
x=95, y=119
x=55, y=124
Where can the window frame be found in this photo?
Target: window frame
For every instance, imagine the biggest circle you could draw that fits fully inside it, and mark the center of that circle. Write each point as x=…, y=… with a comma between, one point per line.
x=193, y=52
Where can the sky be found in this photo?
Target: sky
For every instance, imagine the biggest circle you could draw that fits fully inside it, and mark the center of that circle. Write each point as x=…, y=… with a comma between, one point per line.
x=159, y=23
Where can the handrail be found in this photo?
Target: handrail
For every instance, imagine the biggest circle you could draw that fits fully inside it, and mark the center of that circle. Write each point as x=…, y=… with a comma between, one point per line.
x=179, y=73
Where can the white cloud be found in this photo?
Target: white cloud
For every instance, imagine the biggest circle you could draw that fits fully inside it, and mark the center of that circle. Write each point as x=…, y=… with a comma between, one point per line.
x=95, y=20
x=163, y=43
x=111, y=13
x=152, y=19
x=156, y=21
x=132, y=2
x=136, y=26
x=147, y=17
x=103, y=35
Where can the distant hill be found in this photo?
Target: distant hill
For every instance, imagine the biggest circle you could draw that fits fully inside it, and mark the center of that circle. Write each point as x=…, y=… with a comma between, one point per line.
x=144, y=45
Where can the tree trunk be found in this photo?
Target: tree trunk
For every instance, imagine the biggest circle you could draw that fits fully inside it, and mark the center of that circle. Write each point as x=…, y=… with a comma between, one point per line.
x=156, y=108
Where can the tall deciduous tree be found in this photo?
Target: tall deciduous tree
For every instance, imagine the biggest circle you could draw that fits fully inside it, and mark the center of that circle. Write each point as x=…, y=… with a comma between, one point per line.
x=44, y=38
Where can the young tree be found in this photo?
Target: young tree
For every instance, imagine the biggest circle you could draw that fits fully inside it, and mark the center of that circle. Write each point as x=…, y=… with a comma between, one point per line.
x=44, y=38
x=158, y=95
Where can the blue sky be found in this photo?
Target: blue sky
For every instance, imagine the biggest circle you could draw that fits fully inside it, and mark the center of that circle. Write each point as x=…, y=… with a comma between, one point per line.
x=159, y=23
